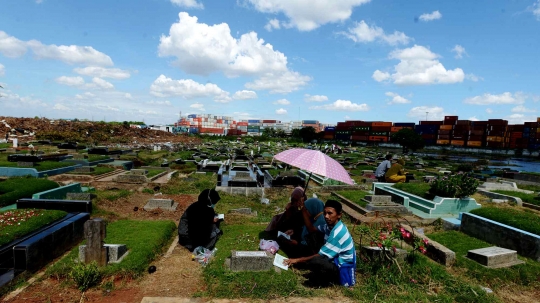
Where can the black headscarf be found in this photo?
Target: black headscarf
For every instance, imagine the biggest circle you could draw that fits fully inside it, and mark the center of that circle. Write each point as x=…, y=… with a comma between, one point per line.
x=208, y=197
x=200, y=217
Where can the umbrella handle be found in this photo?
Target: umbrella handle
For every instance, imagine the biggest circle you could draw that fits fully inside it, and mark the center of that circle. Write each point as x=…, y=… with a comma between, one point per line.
x=307, y=183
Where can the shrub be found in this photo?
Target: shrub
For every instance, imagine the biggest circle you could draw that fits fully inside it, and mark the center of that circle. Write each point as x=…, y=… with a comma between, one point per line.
x=465, y=167
x=459, y=185
x=85, y=275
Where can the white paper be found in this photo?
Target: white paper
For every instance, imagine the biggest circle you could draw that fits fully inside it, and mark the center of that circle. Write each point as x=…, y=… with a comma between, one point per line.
x=221, y=216
x=278, y=261
x=284, y=235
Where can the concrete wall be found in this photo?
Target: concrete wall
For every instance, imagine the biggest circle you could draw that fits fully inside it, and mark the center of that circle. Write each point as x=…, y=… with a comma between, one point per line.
x=527, y=177
x=247, y=191
x=58, y=193
x=493, y=195
x=19, y=172
x=525, y=243
x=86, y=163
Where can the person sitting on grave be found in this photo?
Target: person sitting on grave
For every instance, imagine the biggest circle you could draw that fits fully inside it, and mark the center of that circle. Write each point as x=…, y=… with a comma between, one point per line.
x=199, y=224
x=336, y=260
x=383, y=168
x=396, y=173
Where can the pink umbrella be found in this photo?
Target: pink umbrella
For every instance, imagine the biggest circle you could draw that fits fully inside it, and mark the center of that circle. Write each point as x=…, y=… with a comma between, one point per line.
x=315, y=162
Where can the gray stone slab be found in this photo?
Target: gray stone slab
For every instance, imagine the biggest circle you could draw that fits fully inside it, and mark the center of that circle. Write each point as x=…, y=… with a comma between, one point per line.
x=25, y=164
x=375, y=252
x=79, y=196
x=139, y=172
x=165, y=204
x=115, y=252
x=251, y=260
x=494, y=257
x=135, y=179
x=84, y=169
x=378, y=198
x=451, y=223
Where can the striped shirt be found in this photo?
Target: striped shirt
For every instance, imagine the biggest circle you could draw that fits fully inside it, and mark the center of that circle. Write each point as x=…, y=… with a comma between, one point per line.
x=339, y=243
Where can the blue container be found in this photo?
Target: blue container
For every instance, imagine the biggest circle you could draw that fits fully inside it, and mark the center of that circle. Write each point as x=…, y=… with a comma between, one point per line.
x=253, y=130
x=330, y=129
x=405, y=124
x=254, y=121
x=192, y=116
x=310, y=122
x=193, y=130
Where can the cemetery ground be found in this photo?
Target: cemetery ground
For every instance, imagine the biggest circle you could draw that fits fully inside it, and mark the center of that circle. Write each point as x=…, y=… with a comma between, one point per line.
x=178, y=276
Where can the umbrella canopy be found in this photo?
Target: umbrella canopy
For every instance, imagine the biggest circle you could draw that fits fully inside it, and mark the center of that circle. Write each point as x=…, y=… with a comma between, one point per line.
x=315, y=162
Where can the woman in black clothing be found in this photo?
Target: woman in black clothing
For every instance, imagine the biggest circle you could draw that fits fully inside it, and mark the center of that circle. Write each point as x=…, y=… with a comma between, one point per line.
x=199, y=225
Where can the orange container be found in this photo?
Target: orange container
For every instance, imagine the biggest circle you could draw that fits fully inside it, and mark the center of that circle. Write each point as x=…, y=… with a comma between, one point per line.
x=378, y=138
x=474, y=143
x=494, y=139
x=457, y=142
x=446, y=127
x=381, y=124
x=443, y=142
x=396, y=129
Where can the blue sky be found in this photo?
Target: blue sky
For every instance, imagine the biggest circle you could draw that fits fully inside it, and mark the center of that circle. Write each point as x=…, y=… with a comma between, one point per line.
x=326, y=60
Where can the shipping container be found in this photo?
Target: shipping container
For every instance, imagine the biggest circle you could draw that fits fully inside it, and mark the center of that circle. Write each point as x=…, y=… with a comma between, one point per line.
x=378, y=139
x=474, y=143
x=330, y=129
x=450, y=117
x=379, y=133
x=443, y=142
x=310, y=122
x=361, y=128
x=387, y=124
x=446, y=127
x=359, y=138
x=444, y=132
x=404, y=124
x=328, y=136
x=463, y=122
x=269, y=121
x=431, y=123
x=476, y=138
x=360, y=133
x=254, y=121
x=429, y=137
x=381, y=128
x=192, y=116
x=457, y=142
x=443, y=137
x=494, y=139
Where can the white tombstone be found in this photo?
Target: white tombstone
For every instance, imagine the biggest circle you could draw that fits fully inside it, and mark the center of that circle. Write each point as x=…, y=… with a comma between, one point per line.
x=15, y=142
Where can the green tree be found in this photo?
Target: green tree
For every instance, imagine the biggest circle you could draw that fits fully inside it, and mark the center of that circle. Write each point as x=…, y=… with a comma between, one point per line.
x=307, y=134
x=295, y=133
x=408, y=139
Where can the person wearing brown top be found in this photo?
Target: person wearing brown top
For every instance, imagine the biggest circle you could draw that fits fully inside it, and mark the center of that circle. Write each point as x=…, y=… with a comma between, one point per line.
x=396, y=173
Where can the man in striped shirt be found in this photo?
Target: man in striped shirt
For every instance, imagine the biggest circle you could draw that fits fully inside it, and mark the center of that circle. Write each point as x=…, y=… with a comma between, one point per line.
x=336, y=260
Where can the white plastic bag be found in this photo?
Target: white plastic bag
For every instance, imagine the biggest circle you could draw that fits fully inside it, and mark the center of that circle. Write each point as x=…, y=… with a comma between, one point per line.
x=203, y=255
x=269, y=246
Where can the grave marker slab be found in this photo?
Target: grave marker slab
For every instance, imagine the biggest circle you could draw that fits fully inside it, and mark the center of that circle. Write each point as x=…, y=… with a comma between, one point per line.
x=165, y=204
x=79, y=196
x=25, y=164
x=139, y=172
x=494, y=257
x=95, y=233
x=115, y=252
x=251, y=260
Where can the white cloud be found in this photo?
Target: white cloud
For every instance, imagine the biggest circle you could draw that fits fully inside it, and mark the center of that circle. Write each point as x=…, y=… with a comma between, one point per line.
x=364, y=33
x=198, y=107
x=99, y=83
x=60, y=107
x=460, y=51
x=433, y=113
x=39, y=1
x=522, y=109
x=380, y=76
x=2, y=70
x=72, y=54
x=347, y=118
x=473, y=118
x=281, y=111
x=307, y=15
x=159, y=102
x=96, y=71
x=282, y=102
x=188, y=3
x=535, y=9
x=489, y=110
x=315, y=98
x=128, y=96
x=272, y=24
x=430, y=16
x=12, y=100
x=11, y=47
x=396, y=99
x=187, y=89
x=244, y=95
x=280, y=83
x=86, y=95
x=473, y=77
x=70, y=81
x=203, y=49
x=519, y=118
x=419, y=66
x=504, y=98
x=343, y=105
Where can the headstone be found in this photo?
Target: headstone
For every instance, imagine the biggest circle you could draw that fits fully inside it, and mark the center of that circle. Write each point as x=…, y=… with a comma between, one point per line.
x=95, y=233
x=445, y=172
x=251, y=260
x=429, y=178
x=115, y=252
x=374, y=252
x=419, y=166
x=378, y=198
x=165, y=204
x=494, y=257
x=15, y=142
x=25, y=164
x=79, y=196
x=139, y=172
x=84, y=169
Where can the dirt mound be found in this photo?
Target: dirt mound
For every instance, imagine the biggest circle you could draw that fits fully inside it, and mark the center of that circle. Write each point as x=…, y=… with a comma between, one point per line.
x=102, y=133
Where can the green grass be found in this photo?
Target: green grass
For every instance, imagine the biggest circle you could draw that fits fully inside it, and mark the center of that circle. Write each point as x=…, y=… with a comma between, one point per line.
x=194, y=184
x=532, y=187
x=528, y=198
x=24, y=225
x=513, y=217
x=154, y=172
x=113, y=195
x=98, y=170
x=5, y=145
x=355, y=195
x=13, y=189
x=418, y=189
x=144, y=239
x=523, y=275
x=92, y=158
x=187, y=168
x=39, y=166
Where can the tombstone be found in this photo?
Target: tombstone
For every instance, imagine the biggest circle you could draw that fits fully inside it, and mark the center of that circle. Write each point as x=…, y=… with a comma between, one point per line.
x=494, y=257
x=139, y=172
x=165, y=204
x=375, y=252
x=25, y=164
x=251, y=261
x=84, y=169
x=15, y=142
x=95, y=231
x=79, y=196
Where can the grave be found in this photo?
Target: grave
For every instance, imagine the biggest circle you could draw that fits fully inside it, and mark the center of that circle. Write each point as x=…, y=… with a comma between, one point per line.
x=25, y=164
x=139, y=172
x=84, y=169
x=384, y=203
x=494, y=257
x=165, y=204
x=375, y=252
x=79, y=157
x=445, y=172
x=79, y=196
x=243, y=211
x=95, y=231
x=251, y=261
